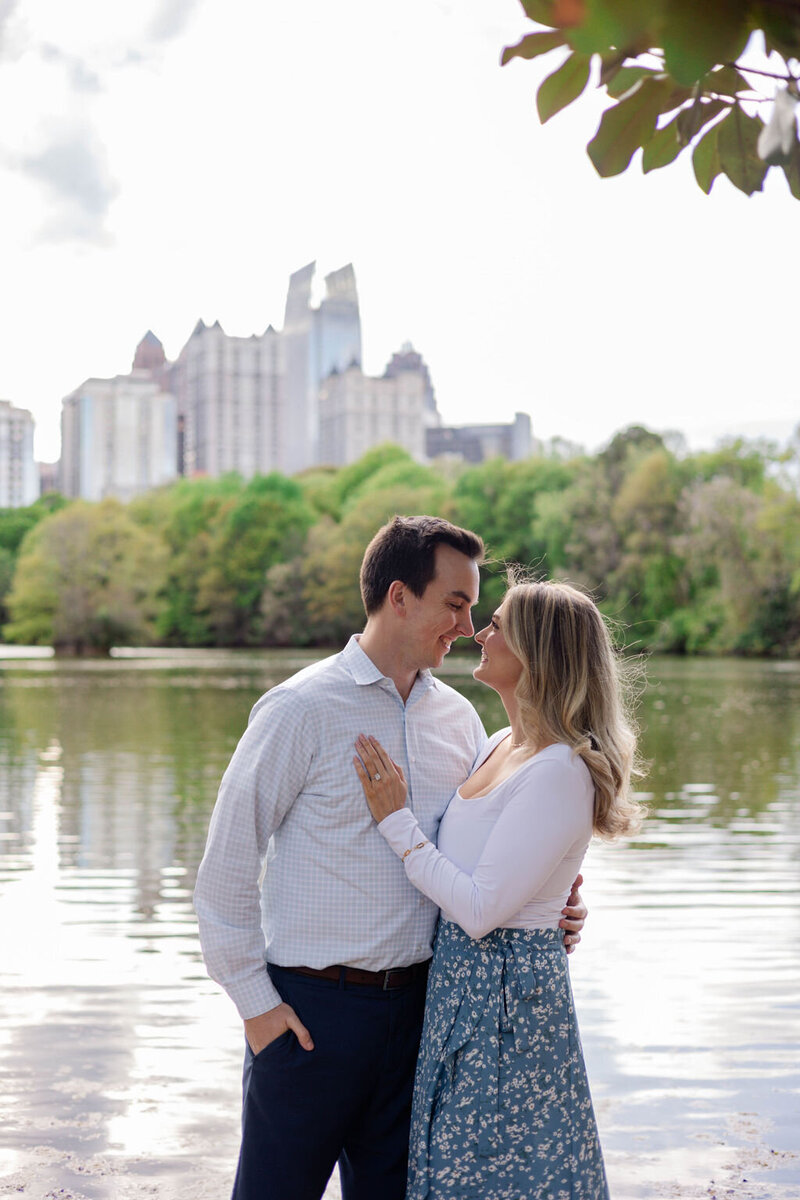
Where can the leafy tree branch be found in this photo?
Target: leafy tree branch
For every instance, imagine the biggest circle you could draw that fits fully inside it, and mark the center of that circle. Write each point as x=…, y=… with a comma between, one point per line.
x=678, y=77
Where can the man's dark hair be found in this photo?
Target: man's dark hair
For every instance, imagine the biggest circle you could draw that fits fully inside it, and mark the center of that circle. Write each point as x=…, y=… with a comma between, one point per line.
x=405, y=549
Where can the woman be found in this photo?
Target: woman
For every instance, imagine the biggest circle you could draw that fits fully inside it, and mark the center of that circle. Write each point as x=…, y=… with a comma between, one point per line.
x=502, y=1109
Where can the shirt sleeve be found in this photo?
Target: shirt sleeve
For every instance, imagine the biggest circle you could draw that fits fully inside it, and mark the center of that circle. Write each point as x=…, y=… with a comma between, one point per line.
x=260, y=785
x=544, y=816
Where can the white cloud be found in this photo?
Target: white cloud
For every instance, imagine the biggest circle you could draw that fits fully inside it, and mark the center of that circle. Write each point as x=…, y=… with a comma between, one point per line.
x=82, y=78
x=7, y=8
x=171, y=19
x=71, y=164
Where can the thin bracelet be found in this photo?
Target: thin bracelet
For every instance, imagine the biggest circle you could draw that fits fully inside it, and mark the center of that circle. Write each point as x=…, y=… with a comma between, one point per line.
x=411, y=850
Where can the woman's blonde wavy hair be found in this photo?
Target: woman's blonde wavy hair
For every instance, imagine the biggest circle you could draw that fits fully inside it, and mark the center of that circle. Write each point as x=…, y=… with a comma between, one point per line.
x=573, y=689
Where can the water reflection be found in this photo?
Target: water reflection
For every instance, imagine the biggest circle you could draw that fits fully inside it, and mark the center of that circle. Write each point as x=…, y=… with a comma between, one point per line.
x=121, y=1057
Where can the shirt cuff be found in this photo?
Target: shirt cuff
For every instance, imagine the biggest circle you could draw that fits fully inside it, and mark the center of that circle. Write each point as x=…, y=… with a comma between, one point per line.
x=401, y=831
x=255, y=997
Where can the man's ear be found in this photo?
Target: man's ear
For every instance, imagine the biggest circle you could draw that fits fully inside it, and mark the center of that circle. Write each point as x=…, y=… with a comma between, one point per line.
x=396, y=597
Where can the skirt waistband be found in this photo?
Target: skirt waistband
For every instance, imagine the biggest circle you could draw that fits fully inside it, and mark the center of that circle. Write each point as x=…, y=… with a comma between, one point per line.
x=534, y=939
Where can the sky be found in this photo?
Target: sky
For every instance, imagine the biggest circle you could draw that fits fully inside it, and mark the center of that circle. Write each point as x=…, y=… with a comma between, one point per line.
x=167, y=160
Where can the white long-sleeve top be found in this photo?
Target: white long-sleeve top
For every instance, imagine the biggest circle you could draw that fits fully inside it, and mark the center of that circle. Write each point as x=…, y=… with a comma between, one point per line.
x=506, y=858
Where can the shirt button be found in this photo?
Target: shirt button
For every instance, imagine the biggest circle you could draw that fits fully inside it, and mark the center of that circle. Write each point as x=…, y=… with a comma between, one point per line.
x=413, y=759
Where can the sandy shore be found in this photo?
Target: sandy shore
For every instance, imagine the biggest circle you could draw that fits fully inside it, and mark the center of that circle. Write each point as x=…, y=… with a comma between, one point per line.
x=131, y=1090
x=69, y=1135
x=50, y=1173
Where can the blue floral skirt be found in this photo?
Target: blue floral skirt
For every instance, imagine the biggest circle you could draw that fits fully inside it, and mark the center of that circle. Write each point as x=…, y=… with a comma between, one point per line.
x=502, y=1109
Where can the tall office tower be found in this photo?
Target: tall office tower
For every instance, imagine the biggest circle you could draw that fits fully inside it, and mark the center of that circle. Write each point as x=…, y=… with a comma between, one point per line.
x=150, y=356
x=409, y=359
x=118, y=437
x=19, y=481
x=230, y=401
x=317, y=341
x=357, y=412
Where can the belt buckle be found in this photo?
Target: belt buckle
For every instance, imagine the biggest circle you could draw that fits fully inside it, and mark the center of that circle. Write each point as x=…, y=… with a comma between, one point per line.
x=387, y=987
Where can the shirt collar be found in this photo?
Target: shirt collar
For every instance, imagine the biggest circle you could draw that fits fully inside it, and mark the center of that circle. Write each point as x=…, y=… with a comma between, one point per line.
x=364, y=671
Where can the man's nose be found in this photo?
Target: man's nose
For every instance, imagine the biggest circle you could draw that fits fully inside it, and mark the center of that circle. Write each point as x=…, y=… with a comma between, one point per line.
x=465, y=626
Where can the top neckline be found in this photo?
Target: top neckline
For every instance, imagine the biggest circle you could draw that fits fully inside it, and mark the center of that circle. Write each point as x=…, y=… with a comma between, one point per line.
x=513, y=775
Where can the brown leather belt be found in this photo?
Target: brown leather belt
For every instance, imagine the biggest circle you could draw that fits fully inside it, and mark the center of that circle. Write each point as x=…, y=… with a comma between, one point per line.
x=396, y=977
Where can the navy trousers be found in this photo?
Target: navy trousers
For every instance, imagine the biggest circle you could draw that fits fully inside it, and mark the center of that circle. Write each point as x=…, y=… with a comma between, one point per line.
x=348, y=1100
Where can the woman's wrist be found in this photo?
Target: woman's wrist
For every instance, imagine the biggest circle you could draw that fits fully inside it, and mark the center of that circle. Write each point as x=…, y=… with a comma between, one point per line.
x=411, y=849
x=400, y=830
x=389, y=821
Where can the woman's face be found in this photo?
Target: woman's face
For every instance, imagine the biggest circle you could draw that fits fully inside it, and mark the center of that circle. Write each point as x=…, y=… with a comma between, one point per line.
x=499, y=667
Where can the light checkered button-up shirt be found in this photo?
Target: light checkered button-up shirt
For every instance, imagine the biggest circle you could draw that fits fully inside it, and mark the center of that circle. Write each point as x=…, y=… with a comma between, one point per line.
x=333, y=891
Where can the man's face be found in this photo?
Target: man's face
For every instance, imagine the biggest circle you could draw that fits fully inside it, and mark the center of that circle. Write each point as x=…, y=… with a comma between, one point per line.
x=442, y=613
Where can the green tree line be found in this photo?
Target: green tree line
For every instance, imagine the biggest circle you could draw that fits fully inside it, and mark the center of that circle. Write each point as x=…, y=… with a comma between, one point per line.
x=689, y=553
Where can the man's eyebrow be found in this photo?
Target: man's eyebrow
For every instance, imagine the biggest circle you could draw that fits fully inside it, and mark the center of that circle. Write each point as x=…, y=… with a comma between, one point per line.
x=463, y=596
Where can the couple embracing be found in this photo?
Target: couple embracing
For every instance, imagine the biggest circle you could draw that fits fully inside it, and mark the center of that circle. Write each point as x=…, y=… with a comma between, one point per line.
x=363, y=798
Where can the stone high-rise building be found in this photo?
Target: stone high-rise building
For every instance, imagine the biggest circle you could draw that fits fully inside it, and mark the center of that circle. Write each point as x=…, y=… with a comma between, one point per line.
x=150, y=357
x=19, y=480
x=231, y=402
x=118, y=437
x=407, y=359
x=357, y=411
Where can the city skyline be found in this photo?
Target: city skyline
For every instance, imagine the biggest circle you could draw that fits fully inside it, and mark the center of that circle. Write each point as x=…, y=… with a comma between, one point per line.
x=176, y=162
x=285, y=401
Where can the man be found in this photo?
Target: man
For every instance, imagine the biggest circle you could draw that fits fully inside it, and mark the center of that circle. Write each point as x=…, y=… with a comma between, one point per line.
x=333, y=1021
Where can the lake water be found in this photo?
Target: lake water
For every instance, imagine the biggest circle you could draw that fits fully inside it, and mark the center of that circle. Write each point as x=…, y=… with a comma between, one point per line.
x=120, y=1061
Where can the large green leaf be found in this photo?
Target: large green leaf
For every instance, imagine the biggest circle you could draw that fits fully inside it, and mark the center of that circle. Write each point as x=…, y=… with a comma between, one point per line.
x=610, y=65
x=792, y=171
x=726, y=81
x=781, y=27
x=691, y=120
x=738, y=155
x=563, y=86
x=533, y=45
x=619, y=23
x=705, y=159
x=629, y=124
x=663, y=147
x=626, y=78
x=697, y=37
x=540, y=11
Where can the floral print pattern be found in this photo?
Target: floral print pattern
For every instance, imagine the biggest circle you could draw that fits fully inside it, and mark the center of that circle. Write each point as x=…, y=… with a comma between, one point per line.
x=502, y=1109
